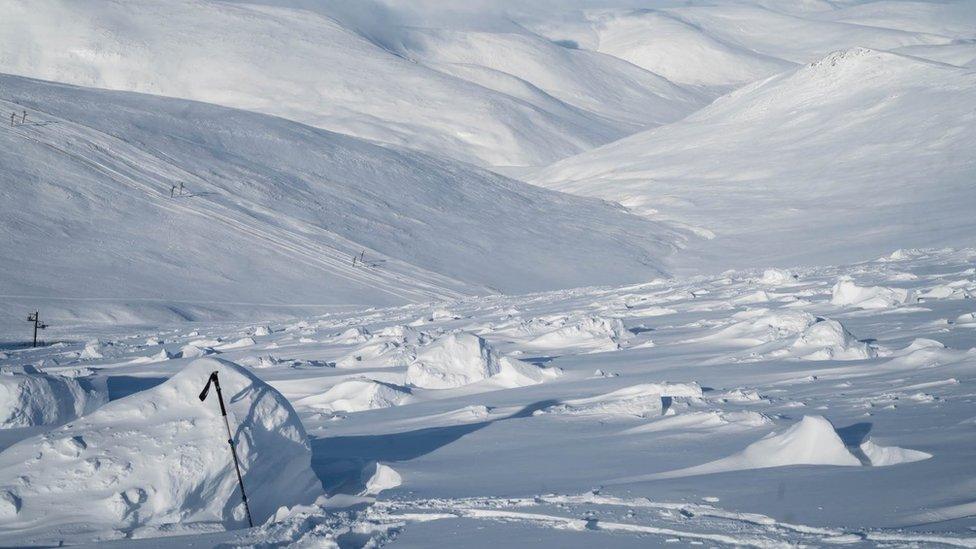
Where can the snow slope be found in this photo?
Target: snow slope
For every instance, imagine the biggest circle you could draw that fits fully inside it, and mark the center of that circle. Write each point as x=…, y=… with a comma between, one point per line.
x=304, y=65
x=841, y=159
x=630, y=97
x=659, y=41
x=274, y=214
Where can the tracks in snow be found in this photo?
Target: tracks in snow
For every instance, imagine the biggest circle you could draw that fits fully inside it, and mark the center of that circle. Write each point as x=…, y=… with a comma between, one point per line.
x=682, y=522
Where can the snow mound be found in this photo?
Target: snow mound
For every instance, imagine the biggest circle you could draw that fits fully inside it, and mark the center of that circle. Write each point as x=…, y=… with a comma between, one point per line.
x=92, y=351
x=239, y=344
x=462, y=358
x=162, y=356
x=159, y=459
x=29, y=397
x=406, y=334
x=383, y=354
x=758, y=296
x=192, y=351
x=830, y=340
x=264, y=361
x=776, y=277
x=350, y=336
x=882, y=456
x=762, y=326
x=846, y=293
x=811, y=441
x=923, y=353
x=955, y=290
x=593, y=333
x=712, y=419
x=378, y=477
x=357, y=395
x=644, y=400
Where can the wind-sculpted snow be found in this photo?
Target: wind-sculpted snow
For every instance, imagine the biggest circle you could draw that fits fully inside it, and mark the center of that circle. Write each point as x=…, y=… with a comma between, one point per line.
x=761, y=339
x=357, y=395
x=794, y=420
x=460, y=359
x=159, y=461
x=29, y=397
x=846, y=292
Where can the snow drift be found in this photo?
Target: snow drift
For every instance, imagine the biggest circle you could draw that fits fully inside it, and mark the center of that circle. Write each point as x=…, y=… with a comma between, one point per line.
x=830, y=340
x=810, y=441
x=644, y=400
x=462, y=358
x=846, y=293
x=30, y=397
x=159, y=459
x=357, y=395
x=593, y=333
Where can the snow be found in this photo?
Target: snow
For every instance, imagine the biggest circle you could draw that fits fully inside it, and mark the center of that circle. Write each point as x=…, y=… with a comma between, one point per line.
x=811, y=441
x=768, y=175
x=881, y=456
x=382, y=477
x=731, y=400
x=594, y=333
x=776, y=277
x=643, y=400
x=846, y=292
x=324, y=74
x=462, y=358
x=493, y=274
x=356, y=395
x=458, y=230
x=29, y=397
x=158, y=461
x=829, y=339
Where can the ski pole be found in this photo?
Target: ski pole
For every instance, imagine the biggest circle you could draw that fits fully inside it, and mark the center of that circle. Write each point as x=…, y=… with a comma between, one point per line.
x=230, y=439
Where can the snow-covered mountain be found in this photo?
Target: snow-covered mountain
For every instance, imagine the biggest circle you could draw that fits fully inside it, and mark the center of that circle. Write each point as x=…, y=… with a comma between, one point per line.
x=304, y=64
x=841, y=158
x=275, y=213
x=492, y=273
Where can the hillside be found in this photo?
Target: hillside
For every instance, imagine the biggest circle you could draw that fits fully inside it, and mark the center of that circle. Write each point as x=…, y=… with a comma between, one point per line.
x=273, y=215
x=841, y=159
x=307, y=65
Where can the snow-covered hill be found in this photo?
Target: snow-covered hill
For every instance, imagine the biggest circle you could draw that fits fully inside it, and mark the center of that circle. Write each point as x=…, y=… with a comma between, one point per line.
x=274, y=213
x=858, y=153
x=305, y=65
x=662, y=43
